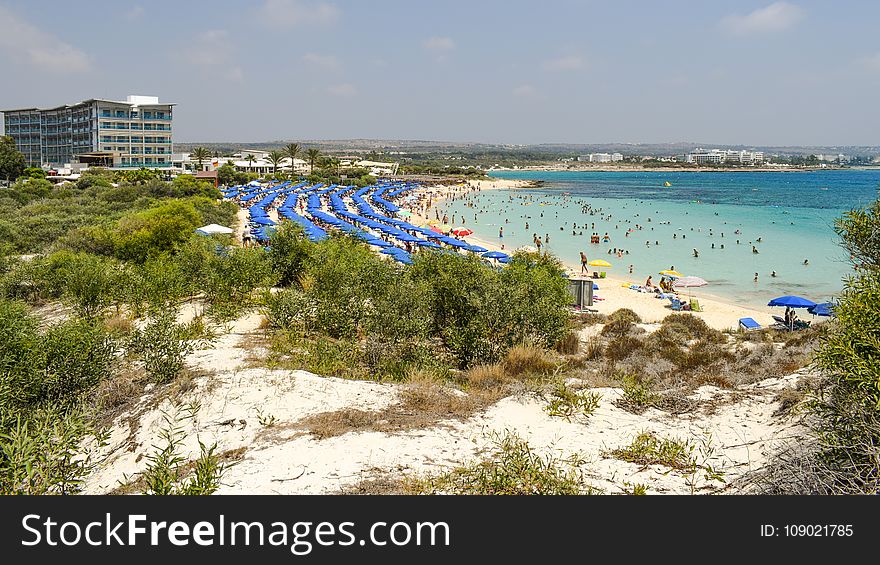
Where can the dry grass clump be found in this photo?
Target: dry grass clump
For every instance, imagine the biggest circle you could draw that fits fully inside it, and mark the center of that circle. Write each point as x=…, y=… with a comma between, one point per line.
x=528, y=360
x=625, y=314
x=339, y=422
x=788, y=400
x=422, y=405
x=593, y=349
x=622, y=347
x=697, y=327
x=513, y=468
x=585, y=319
x=118, y=325
x=570, y=344
x=486, y=377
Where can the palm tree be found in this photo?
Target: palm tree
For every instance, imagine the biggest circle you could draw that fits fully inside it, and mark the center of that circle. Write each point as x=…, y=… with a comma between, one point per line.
x=313, y=154
x=292, y=150
x=275, y=157
x=250, y=159
x=200, y=154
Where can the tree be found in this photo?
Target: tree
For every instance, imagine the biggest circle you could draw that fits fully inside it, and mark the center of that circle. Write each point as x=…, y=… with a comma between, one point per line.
x=12, y=161
x=250, y=159
x=849, y=429
x=200, y=154
x=313, y=154
x=275, y=157
x=226, y=174
x=292, y=150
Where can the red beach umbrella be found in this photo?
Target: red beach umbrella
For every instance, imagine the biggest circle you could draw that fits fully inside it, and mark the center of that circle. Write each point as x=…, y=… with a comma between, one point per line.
x=462, y=232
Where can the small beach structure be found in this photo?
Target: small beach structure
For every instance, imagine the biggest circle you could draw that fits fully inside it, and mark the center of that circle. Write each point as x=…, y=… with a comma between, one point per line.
x=213, y=229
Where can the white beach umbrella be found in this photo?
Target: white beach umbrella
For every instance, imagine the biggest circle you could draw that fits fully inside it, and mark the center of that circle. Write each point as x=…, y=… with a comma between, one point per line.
x=689, y=283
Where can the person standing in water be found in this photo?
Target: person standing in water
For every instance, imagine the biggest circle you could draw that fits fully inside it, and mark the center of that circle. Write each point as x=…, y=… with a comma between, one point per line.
x=584, y=262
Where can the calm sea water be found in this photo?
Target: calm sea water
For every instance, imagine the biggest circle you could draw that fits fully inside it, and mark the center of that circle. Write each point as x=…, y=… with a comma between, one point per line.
x=787, y=216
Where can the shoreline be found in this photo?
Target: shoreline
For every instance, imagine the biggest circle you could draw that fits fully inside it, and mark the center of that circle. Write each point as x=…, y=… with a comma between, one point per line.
x=614, y=291
x=670, y=169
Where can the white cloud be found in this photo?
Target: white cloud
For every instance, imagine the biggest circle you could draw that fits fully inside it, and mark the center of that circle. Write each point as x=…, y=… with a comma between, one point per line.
x=524, y=91
x=567, y=63
x=213, y=52
x=345, y=90
x=134, y=13
x=21, y=41
x=438, y=44
x=291, y=13
x=323, y=61
x=778, y=16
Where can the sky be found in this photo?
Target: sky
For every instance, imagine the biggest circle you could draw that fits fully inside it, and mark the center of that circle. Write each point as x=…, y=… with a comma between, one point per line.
x=795, y=72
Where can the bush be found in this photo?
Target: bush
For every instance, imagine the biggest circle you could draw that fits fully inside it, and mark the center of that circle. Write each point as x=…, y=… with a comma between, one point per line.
x=637, y=394
x=625, y=314
x=622, y=347
x=163, y=346
x=570, y=344
x=648, y=449
x=617, y=328
x=289, y=251
x=567, y=403
x=290, y=309
x=696, y=327
x=43, y=453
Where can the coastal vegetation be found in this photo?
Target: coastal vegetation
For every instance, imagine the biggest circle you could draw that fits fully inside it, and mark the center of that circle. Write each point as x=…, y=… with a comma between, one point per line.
x=94, y=277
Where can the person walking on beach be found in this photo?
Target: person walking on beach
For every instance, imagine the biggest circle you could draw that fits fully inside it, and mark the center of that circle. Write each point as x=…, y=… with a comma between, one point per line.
x=584, y=262
x=501, y=232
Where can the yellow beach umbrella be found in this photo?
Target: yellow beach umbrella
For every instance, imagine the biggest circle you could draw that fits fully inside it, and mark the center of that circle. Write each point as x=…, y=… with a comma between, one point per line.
x=670, y=273
x=599, y=263
x=433, y=222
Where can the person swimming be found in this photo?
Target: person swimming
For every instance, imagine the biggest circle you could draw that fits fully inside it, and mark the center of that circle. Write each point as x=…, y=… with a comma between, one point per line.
x=773, y=274
x=696, y=253
x=754, y=249
x=756, y=277
x=806, y=261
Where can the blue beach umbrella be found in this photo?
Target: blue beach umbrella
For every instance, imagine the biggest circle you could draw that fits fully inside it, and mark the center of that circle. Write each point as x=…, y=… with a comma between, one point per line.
x=792, y=302
x=263, y=221
x=475, y=248
x=429, y=244
x=391, y=250
x=822, y=309
x=496, y=255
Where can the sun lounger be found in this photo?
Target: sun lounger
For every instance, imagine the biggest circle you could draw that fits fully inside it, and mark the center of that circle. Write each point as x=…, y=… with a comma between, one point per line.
x=780, y=320
x=695, y=305
x=749, y=324
x=676, y=304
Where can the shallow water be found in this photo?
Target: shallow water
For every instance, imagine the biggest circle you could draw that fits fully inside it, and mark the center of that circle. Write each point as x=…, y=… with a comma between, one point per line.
x=791, y=212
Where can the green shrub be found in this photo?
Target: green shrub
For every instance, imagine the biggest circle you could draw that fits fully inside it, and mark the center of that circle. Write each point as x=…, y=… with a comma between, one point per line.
x=289, y=252
x=648, y=449
x=43, y=453
x=696, y=327
x=163, y=345
x=567, y=403
x=637, y=393
x=622, y=347
x=290, y=309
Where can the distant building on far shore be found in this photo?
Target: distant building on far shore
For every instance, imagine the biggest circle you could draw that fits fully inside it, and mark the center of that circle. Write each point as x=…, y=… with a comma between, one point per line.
x=601, y=158
x=725, y=157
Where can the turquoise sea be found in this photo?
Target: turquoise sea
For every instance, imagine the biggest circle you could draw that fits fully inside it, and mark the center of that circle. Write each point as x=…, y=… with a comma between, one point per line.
x=787, y=216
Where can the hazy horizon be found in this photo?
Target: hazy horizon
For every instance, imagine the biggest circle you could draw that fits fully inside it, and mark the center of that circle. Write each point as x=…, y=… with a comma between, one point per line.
x=755, y=73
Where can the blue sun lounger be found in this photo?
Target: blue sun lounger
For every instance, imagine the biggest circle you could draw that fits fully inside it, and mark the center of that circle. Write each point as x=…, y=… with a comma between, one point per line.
x=749, y=324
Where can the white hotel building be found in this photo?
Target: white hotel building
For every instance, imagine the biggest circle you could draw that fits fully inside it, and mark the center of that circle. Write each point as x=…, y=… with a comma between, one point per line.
x=120, y=134
x=725, y=157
